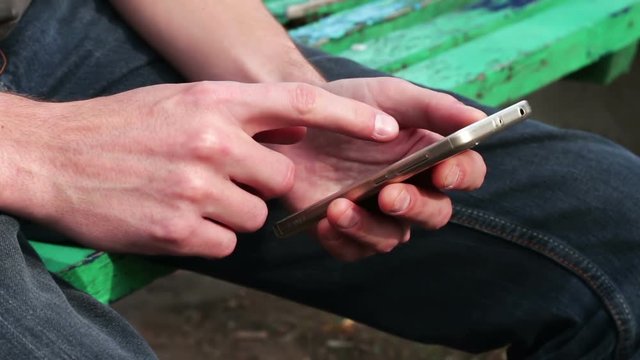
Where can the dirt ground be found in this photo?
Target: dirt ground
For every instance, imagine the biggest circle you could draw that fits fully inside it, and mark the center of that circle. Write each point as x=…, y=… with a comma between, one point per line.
x=187, y=316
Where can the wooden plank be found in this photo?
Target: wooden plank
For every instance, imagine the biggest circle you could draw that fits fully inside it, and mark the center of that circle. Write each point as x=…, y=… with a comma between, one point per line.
x=339, y=31
x=287, y=10
x=109, y=277
x=106, y=277
x=610, y=67
x=278, y=8
x=58, y=257
x=404, y=47
x=521, y=58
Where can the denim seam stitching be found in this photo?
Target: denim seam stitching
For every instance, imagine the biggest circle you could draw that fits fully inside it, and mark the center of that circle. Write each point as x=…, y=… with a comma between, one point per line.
x=599, y=281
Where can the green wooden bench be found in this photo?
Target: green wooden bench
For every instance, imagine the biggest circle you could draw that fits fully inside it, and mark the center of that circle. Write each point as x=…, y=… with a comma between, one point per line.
x=491, y=50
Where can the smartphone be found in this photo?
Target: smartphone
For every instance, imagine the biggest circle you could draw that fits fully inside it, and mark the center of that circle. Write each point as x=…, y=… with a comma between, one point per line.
x=461, y=140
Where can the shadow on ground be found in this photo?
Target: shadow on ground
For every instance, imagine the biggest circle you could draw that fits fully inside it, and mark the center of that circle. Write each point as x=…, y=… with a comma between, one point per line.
x=187, y=316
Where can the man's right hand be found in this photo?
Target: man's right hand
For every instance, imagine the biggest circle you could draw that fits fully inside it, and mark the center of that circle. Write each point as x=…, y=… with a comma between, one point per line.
x=166, y=169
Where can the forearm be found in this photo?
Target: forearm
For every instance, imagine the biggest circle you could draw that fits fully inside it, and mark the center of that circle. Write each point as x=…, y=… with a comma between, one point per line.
x=219, y=40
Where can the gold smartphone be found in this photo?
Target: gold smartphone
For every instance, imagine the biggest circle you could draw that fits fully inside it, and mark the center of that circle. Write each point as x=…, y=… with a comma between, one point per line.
x=461, y=140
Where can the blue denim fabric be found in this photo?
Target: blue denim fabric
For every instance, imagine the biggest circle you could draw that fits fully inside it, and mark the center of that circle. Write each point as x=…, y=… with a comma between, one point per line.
x=42, y=317
x=545, y=257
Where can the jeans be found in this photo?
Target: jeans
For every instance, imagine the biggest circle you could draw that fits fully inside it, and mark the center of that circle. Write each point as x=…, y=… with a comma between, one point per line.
x=544, y=258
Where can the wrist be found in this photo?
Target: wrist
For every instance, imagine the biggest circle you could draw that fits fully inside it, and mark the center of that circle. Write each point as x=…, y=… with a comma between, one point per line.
x=279, y=61
x=294, y=67
x=21, y=182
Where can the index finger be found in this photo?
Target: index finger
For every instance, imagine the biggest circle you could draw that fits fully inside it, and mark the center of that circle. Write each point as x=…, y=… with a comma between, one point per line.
x=417, y=107
x=271, y=106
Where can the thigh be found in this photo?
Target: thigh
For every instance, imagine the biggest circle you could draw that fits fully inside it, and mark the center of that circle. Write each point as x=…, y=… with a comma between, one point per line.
x=74, y=49
x=43, y=318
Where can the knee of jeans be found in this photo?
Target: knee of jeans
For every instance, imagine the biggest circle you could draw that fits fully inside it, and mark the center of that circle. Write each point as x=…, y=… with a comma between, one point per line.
x=9, y=228
x=579, y=192
x=505, y=292
x=593, y=337
x=566, y=183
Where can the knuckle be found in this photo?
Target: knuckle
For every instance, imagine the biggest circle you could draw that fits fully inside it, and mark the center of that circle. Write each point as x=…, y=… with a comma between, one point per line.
x=207, y=144
x=199, y=94
x=172, y=232
x=205, y=94
x=386, y=87
x=448, y=99
x=191, y=187
x=392, y=82
x=303, y=98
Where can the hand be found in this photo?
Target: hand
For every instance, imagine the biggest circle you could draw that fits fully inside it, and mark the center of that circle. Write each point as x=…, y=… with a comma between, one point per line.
x=327, y=162
x=170, y=169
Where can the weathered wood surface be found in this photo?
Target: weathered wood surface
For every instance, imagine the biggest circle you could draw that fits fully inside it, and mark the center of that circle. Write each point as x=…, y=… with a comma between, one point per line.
x=287, y=10
x=107, y=277
x=340, y=30
x=405, y=46
x=491, y=50
x=518, y=59
x=609, y=67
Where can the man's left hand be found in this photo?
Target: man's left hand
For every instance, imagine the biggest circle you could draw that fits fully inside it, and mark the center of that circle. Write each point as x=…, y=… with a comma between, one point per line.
x=326, y=162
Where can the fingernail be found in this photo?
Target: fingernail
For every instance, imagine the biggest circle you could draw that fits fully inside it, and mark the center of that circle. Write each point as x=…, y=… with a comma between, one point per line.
x=385, y=126
x=452, y=178
x=401, y=202
x=348, y=219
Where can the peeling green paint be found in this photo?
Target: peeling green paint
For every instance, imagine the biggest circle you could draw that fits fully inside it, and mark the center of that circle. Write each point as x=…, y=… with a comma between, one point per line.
x=286, y=10
x=499, y=5
x=339, y=31
x=106, y=277
x=109, y=277
x=58, y=257
x=518, y=59
x=404, y=47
